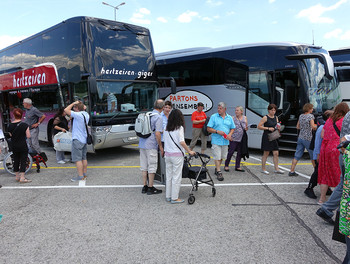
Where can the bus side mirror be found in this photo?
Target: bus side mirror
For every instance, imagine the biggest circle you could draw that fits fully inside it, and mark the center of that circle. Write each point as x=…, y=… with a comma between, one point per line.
x=173, y=86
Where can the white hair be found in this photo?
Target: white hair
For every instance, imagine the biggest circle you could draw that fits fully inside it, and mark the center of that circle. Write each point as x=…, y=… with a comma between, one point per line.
x=222, y=104
x=28, y=101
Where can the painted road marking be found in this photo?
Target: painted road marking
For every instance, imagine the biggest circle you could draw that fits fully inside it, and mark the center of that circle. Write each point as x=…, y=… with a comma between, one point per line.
x=83, y=185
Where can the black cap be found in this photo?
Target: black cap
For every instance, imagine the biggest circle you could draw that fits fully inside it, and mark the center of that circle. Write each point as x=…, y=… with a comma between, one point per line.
x=200, y=104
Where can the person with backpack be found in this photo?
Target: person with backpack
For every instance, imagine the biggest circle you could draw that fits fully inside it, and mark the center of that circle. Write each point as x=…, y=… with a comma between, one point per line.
x=149, y=145
x=309, y=191
x=198, y=119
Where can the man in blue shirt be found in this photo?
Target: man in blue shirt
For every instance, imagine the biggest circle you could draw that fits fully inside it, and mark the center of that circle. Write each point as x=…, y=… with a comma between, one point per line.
x=79, y=135
x=221, y=126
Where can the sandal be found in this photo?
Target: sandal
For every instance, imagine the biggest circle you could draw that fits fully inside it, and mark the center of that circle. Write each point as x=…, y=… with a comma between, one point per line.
x=25, y=180
x=18, y=179
x=226, y=169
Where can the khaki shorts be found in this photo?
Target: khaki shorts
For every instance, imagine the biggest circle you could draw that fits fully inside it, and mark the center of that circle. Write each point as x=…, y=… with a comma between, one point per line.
x=219, y=152
x=149, y=160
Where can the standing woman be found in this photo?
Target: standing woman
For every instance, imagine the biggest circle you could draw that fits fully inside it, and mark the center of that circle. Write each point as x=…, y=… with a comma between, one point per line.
x=60, y=124
x=269, y=124
x=19, y=132
x=241, y=124
x=328, y=168
x=305, y=124
x=174, y=147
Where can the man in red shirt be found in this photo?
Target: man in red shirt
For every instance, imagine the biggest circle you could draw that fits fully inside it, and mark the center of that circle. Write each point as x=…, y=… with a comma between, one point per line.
x=198, y=120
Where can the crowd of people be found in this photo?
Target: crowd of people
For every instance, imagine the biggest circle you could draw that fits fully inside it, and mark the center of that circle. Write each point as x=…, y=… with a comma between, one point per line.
x=319, y=137
x=23, y=137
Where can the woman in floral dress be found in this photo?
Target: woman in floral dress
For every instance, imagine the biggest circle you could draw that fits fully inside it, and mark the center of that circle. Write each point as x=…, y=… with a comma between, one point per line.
x=329, y=170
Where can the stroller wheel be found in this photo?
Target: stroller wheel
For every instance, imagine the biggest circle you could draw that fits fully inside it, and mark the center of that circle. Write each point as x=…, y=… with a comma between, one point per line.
x=213, y=191
x=191, y=199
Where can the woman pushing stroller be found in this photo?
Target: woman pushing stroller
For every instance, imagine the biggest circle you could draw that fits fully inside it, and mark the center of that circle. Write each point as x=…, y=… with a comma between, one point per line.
x=174, y=147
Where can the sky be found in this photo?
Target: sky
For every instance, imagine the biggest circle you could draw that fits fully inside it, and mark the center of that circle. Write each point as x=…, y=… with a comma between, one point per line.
x=182, y=24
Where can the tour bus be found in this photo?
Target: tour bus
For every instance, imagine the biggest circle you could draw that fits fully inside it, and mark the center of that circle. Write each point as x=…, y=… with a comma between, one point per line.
x=341, y=58
x=252, y=76
x=98, y=61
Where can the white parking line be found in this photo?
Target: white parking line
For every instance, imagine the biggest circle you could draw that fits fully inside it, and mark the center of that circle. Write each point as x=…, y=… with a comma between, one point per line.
x=83, y=185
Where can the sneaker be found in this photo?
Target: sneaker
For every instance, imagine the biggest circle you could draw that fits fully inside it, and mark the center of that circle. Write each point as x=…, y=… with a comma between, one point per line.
x=219, y=176
x=153, y=190
x=61, y=162
x=279, y=172
x=310, y=193
x=168, y=199
x=292, y=173
x=265, y=172
x=79, y=178
x=177, y=201
x=67, y=160
x=324, y=216
x=144, y=189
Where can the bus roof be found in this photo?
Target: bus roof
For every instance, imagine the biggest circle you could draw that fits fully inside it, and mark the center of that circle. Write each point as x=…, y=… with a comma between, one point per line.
x=81, y=19
x=203, y=50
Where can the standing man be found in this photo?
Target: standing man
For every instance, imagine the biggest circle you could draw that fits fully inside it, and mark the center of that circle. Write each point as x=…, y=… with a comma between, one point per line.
x=33, y=117
x=79, y=136
x=198, y=119
x=221, y=126
x=112, y=103
x=149, y=149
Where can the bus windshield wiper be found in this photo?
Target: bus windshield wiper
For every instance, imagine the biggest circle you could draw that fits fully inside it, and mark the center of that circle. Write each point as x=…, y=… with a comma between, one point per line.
x=113, y=117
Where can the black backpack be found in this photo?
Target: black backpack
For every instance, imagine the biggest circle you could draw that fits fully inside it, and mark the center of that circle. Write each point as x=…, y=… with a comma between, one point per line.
x=205, y=126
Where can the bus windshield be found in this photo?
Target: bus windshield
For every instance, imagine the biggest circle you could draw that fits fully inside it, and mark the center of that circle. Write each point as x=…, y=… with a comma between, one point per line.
x=114, y=97
x=323, y=92
x=122, y=52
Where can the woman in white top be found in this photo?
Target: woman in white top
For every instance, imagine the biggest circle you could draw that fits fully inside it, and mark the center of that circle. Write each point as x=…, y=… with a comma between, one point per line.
x=174, y=147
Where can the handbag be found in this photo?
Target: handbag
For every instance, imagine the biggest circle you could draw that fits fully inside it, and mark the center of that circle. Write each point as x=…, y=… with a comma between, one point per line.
x=274, y=135
x=337, y=236
x=63, y=141
x=186, y=166
x=89, y=137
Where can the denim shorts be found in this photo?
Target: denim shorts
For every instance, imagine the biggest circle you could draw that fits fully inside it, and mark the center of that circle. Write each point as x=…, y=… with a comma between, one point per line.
x=79, y=151
x=303, y=144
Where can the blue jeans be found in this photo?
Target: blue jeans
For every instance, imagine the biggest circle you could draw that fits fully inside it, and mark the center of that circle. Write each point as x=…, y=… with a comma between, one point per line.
x=334, y=200
x=59, y=155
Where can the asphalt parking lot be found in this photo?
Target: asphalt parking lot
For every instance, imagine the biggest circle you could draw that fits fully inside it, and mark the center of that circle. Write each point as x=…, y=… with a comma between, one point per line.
x=253, y=218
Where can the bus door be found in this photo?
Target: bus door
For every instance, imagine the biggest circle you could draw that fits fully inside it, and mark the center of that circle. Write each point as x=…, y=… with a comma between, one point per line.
x=286, y=95
x=5, y=111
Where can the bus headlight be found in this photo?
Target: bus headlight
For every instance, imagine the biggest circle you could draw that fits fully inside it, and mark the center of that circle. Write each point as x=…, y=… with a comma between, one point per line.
x=102, y=129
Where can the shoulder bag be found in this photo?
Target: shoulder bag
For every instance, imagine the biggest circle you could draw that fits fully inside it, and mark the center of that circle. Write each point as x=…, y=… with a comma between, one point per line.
x=186, y=166
x=89, y=137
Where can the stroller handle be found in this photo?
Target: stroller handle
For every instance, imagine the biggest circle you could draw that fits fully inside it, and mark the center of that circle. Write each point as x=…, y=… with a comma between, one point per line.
x=202, y=155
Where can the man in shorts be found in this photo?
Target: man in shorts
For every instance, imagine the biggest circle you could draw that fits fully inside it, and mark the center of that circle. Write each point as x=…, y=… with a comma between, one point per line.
x=76, y=110
x=221, y=126
x=149, y=150
x=198, y=119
